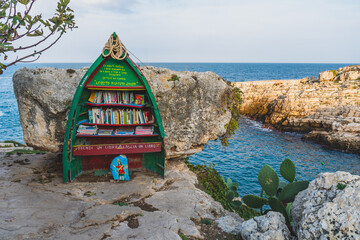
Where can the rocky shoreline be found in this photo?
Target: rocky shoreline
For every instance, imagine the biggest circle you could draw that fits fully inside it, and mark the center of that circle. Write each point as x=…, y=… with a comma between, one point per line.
x=326, y=110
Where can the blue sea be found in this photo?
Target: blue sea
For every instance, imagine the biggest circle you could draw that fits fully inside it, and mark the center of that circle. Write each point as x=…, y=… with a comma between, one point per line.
x=250, y=148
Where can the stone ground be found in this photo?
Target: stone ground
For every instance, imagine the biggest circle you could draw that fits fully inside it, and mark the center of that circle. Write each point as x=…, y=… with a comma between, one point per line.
x=36, y=204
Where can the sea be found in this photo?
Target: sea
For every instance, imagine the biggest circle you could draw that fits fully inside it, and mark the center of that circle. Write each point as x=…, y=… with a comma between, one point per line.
x=249, y=149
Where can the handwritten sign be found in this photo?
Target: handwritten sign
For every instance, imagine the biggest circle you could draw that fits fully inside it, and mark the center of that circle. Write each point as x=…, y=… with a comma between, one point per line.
x=115, y=73
x=122, y=148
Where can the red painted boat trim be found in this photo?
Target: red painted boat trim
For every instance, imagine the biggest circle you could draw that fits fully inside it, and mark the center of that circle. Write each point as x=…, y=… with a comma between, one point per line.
x=117, y=125
x=108, y=87
x=117, y=136
x=114, y=105
x=92, y=75
x=122, y=148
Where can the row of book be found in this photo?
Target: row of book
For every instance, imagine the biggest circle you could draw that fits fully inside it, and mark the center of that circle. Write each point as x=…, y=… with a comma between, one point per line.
x=94, y=130
x=116, y=97
x=119, y=116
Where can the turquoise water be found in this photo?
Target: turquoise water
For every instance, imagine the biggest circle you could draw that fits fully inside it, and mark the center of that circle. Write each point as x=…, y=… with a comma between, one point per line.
x=253, y=146
x=250, y=148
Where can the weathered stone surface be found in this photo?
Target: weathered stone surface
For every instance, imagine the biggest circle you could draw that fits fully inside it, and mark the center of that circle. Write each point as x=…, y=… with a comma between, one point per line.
x=266, y=227
x=189, y=106
x=44, y=96
x=328, y=112
x=323, y=211
x=100, y=214
x=326, y=75
x=162, y=208
x=231, y=223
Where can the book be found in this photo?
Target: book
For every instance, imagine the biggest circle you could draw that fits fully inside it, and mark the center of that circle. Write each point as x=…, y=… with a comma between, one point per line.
x=90, y=115
x=105, y=132
x=139, y=99
x=87, y=130
x=144, y=130
x=92, y=96
x=124, y=131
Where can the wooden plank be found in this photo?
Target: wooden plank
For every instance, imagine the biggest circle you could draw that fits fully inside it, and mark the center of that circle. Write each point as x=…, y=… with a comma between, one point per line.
x=112, y=149
x=116, y=136
x=115, y=105
x=72, y=120
x=115, y=74
x=115, y=88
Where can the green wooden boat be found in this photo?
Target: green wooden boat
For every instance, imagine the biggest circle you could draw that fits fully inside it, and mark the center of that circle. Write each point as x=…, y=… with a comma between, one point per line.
x=113, y=113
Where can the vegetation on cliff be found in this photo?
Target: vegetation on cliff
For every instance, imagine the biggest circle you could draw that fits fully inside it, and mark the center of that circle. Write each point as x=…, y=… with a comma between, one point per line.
x=211, y=182
x=232, y=99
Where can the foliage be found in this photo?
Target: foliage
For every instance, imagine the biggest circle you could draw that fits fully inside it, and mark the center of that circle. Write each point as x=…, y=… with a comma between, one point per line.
x=16, y=144
x=89, y=194
x=232, y=194
x=213, y=184
x=18, y=24
x=25, y=151
x=340, y=186
x=183, y=237
x=119, y=203
x=334, y=72
x=173, y=78
x=233, y=101
x=206, y=221
x=279, y=195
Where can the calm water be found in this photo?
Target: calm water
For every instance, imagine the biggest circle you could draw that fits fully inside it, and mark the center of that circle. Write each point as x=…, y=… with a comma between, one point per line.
x=251, y=147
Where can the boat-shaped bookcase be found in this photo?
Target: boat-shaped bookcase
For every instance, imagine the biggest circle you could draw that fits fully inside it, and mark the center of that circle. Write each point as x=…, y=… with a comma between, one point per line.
x=113, y=113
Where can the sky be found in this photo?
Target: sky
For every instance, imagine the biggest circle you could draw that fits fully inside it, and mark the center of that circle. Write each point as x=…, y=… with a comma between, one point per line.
x=276, y=31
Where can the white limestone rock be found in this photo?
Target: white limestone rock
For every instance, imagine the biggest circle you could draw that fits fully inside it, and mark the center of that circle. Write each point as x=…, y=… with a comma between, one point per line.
x=326, y=76
x=189, y=107
x=230, y=223
x=323, y=211
x=266, y=227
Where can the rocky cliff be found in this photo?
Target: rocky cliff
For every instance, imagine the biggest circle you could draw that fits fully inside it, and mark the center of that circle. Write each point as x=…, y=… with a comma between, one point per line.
x=327, y=109
x=189, y=106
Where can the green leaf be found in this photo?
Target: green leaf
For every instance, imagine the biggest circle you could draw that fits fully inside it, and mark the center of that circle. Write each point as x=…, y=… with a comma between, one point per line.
x=288, y=170
x=288, y=209
x=236, y=204
x=25, y=2
x=254, y=201
x=229, y=182
x=291, y=190
x=277, y=206
x=268, y=180
x=230, y=196
x=234, y=186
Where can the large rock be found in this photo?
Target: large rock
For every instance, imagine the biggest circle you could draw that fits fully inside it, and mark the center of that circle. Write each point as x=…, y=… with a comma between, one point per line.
x=189, y=107
x=266, y=227
x=327, y=75
x=326, y=211
x=147, y=207
x=327, y=111
x=44, y=96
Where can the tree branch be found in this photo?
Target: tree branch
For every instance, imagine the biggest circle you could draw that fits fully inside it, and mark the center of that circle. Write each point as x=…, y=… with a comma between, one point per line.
x=33, y=54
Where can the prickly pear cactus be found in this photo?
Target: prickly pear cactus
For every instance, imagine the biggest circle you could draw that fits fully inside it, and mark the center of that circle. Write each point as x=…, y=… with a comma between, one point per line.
x=268, y=180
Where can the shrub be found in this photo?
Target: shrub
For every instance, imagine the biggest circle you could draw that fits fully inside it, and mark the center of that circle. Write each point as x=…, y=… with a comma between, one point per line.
x=222, y=191
x=279, y=195
x=174, y=78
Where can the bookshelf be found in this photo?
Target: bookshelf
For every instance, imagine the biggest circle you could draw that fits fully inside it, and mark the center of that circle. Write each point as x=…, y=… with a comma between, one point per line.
x=113, y=112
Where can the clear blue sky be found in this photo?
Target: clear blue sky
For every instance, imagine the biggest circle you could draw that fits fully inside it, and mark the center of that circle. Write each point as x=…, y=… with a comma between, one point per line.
x=319, y=31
